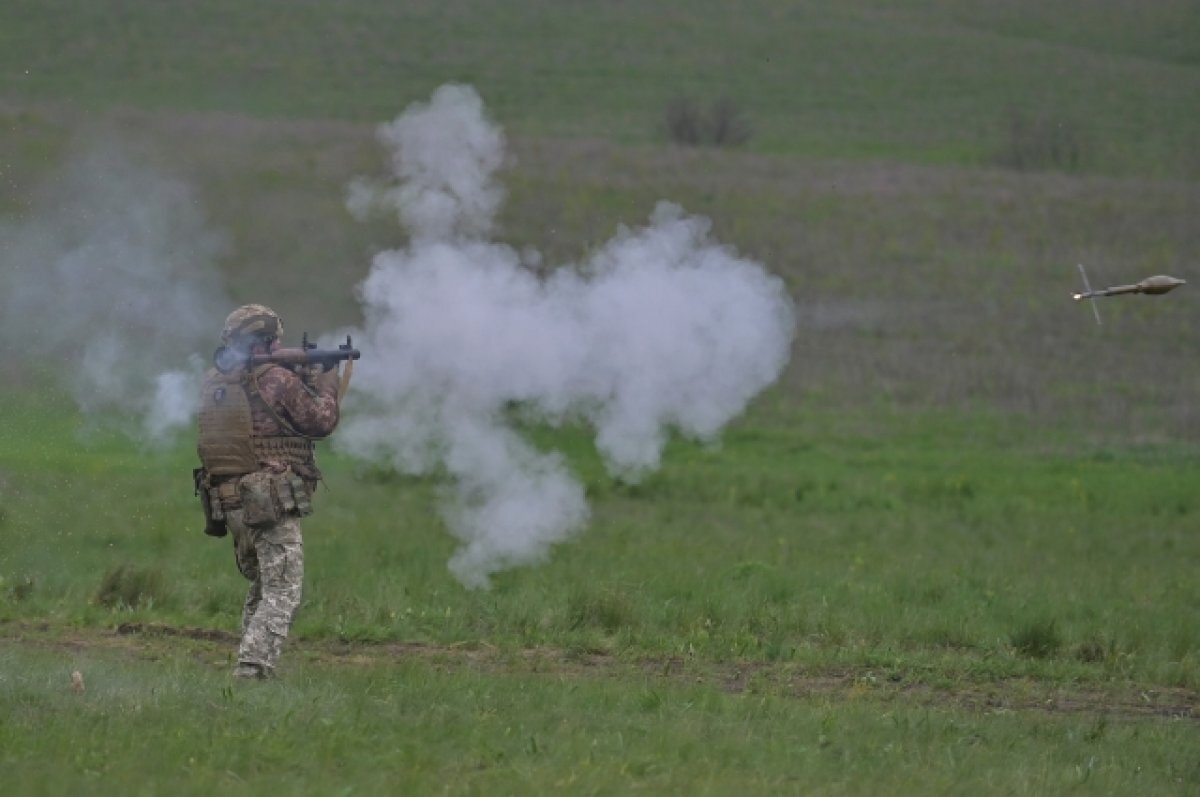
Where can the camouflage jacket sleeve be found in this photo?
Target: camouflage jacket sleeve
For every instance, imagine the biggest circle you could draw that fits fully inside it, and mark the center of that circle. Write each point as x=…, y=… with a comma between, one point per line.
x=311, y=410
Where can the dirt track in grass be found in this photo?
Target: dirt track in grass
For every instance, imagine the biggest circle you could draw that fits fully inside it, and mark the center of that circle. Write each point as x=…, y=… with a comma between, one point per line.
x=214, y=647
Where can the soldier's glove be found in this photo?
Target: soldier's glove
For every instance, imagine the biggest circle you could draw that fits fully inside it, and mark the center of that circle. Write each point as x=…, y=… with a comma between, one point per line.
x=328, y=382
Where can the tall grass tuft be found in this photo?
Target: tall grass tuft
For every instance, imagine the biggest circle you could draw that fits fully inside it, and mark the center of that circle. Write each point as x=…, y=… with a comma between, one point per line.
x=1038, y=639
x=607, y=610
x=1092, y=650
x=22, y=589
x=130, y=587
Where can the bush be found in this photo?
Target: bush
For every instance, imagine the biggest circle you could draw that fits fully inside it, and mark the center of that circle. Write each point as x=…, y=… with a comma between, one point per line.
x=685, y=122
x=727, y=125
x=723, y=125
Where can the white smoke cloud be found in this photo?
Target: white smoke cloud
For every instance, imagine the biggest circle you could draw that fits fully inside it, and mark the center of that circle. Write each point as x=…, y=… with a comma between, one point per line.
x=661, y=328
x=444, y=158
x=112, y=275
x=174, y=401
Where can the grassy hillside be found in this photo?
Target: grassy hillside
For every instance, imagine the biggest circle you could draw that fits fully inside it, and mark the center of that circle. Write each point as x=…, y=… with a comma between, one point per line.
x=927, y=273
x=917, y=286
x=934, y=82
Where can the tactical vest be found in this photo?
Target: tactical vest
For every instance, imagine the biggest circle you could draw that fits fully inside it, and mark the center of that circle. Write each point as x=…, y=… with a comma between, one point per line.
x=227, y=444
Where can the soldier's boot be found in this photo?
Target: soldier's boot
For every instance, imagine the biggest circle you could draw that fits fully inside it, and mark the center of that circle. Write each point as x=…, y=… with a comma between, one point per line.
x=249, y=671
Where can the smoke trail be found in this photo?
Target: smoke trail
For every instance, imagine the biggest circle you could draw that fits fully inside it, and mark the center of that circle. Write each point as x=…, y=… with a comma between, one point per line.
x=662, y=328
x=112, y=276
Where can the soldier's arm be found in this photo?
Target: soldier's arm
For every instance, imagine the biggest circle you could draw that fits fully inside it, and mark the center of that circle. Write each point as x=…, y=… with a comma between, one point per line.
x=313, y=411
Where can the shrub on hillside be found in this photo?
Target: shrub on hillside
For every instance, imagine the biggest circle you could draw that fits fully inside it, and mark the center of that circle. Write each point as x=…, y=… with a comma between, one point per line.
x=1037, y=143
x=723, y=124
x=685, y=121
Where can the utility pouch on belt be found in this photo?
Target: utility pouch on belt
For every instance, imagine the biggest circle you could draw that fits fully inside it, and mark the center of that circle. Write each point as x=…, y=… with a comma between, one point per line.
x=214, y=514
x=258, y=499
x=269, y=497
x=299, y=491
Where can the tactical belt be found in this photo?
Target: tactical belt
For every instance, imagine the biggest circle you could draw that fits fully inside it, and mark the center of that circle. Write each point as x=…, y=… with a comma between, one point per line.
x=290, y=449
x=296, y=452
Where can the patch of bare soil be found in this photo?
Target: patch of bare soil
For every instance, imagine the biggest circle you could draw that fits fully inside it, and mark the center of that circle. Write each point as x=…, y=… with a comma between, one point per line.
x=1129, y=701
x=208, y=634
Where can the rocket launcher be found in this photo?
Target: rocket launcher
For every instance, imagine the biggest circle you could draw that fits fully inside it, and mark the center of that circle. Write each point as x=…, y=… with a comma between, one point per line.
x=228, y=359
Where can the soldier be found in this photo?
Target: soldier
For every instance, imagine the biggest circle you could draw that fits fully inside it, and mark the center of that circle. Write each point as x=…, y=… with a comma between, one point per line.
x=256, y=431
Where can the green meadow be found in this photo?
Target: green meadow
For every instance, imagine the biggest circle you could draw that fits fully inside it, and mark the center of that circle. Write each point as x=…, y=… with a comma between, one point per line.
x=954, y=550
x=928, y=603
x=923, y=80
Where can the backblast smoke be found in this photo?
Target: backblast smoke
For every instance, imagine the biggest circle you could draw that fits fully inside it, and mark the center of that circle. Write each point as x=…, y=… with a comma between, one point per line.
x=662, y=328
x=111, y=274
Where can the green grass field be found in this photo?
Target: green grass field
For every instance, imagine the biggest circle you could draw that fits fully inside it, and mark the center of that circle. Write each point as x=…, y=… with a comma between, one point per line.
x=953, y=551
x=927, y=602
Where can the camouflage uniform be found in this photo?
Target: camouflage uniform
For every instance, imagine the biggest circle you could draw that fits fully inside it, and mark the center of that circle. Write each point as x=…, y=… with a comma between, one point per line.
x=286, y=412
x=272, y=559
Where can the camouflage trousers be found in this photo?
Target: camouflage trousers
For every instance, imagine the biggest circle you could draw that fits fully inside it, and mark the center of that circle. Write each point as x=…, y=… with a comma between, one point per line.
x=272, y=559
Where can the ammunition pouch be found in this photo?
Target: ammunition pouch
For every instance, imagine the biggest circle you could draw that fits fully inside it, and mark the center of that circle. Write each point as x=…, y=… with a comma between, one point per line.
x=266, y=498
x=210, y=502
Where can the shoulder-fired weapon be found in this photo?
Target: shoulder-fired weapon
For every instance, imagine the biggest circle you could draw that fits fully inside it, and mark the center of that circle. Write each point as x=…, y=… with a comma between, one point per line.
x=228, y=359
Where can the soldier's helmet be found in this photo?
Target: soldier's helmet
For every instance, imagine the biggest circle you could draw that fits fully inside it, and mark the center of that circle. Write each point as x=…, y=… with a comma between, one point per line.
x=252, y=322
